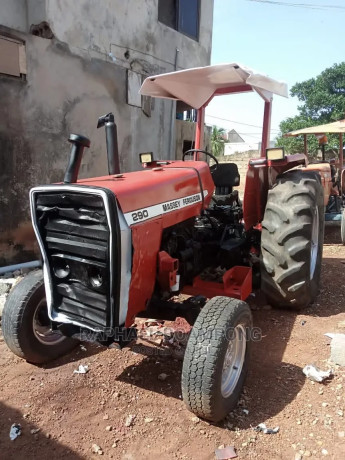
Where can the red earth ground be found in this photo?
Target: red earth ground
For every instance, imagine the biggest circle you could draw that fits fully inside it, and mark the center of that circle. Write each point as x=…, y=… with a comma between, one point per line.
x=73, y=412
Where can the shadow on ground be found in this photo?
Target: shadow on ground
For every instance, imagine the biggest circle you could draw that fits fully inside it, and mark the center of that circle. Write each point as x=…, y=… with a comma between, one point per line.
x=147, y=374
x=332, y=234
x=29, y=446
x=74, y=355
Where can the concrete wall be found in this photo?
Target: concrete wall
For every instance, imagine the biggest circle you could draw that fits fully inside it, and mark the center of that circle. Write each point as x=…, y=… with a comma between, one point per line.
x=71, y=80
x=14, y=14
x=95, y=29
x=118, y=26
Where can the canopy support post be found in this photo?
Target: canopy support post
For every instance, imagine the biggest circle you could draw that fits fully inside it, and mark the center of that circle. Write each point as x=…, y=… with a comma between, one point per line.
x=305, y=145
x=199, y=132
x=341, y=153
x=172, y=147
x=266, y=128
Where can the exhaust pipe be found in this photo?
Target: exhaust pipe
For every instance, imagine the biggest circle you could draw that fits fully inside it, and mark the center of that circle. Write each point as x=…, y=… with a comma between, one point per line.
x=111, y=137
x=78, y=144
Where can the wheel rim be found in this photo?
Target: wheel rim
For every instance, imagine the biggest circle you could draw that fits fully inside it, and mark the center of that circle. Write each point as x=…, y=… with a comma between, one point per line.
x=42, y=326
x=233, y=361
x=314, y=248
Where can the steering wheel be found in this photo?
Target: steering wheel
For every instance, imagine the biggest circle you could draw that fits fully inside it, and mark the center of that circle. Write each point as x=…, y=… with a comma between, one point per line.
x=188, y=152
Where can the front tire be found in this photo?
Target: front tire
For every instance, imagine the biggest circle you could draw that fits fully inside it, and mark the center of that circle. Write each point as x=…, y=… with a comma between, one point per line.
x=26, y=326
x=292, y=240
x=216, y=358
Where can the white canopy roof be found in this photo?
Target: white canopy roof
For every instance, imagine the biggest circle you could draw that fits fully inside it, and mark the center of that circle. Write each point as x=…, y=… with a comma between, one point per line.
x=335, y=127
x=196, y=86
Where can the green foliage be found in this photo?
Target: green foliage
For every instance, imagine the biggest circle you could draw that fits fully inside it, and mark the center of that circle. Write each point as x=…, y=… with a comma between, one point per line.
x=296, y=144
x=323, y=101
x=218, y=137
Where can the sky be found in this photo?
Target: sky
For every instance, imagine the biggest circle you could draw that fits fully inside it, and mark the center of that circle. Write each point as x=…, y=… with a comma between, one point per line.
x=290, y=44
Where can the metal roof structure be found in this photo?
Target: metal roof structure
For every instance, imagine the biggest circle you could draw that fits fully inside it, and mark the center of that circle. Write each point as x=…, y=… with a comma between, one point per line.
x=335, y=127
x=197, y=86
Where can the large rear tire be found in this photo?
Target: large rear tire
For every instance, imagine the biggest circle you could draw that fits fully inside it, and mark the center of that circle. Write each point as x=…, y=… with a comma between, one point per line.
x=292, y=240
x=216, y=358
x=25, y=324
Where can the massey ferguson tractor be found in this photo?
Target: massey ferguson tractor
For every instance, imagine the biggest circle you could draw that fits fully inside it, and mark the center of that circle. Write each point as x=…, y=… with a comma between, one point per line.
x=126, y=244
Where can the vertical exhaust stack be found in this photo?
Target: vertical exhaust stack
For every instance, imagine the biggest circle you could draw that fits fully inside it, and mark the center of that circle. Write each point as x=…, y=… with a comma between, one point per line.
x=112, y=148
x=78, y=144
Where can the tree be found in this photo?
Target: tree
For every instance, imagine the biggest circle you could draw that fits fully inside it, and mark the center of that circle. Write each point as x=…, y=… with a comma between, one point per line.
x=296, y=144
x=218, y=139
x=323, y=101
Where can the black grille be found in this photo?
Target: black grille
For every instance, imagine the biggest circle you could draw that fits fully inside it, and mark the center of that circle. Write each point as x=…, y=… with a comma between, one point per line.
x=76, y=236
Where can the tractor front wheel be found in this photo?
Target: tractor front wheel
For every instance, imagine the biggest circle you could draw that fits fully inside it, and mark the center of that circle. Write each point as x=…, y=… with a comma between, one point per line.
x=26, y=326
x=292, y=240
x=216, y=358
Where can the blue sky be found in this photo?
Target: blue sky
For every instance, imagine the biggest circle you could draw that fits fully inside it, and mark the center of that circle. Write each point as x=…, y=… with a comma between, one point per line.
x=287, y=43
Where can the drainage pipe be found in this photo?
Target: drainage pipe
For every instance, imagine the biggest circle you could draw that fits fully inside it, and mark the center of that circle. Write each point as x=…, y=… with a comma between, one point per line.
x=13, y=268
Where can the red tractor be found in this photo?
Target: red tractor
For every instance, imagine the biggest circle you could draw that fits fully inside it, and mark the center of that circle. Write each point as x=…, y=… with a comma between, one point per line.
x=126, y=244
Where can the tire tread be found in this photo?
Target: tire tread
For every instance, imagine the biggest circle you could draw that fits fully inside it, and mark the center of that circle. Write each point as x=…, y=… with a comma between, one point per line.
x=199, y=368
x=17, y=318
x=285, y=239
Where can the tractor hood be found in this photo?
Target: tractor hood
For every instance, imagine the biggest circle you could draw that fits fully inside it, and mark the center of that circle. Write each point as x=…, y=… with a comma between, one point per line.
x=178, y=190
x=159, y=191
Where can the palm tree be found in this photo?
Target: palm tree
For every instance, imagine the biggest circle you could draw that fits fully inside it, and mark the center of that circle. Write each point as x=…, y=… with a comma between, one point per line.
x=218, y=139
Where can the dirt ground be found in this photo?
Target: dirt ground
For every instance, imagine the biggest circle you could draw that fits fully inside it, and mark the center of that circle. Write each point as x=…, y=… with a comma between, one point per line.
x=73, y=412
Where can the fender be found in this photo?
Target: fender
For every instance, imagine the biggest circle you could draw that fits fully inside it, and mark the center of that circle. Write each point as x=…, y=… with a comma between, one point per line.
x=260, y=177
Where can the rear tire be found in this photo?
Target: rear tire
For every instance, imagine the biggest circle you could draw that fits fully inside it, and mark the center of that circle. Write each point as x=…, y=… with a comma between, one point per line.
x=342, y=228
x=216, y=358
x=292, y=240
x=26, y=326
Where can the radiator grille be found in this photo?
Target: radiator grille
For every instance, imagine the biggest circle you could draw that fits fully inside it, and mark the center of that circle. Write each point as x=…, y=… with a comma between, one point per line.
x=76, y=237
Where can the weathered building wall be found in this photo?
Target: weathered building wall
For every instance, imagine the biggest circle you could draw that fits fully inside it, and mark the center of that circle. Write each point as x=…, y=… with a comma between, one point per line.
x=129, y=28
x=71, y=80
x=14, y=14
x=65, y=94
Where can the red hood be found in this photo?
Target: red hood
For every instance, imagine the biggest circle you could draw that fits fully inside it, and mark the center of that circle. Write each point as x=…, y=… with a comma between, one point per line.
x=149, y=187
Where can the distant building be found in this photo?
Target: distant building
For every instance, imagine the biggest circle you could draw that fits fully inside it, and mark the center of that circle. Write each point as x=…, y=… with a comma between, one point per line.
x=236, y=144
x=234, y=137
x=62, y=65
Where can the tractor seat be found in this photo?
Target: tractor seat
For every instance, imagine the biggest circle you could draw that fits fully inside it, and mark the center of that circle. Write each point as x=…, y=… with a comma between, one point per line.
x=225, y=176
